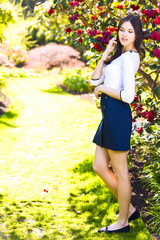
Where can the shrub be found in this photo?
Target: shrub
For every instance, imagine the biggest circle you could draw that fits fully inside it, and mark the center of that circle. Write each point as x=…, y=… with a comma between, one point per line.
x=12, y=56
x=15, y=72
x=146, y=142
x=77, y=82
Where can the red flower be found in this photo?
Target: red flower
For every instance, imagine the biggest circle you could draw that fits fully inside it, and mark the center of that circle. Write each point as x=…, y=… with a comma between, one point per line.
x=100, y=8
x=157, y=20
x=133, y=120
x=103, y=40
x=158, y=36
x=143, y=114
x=139, y=108
x=50, y=11
x=106, y=34
x=150, y=115
x=156, y=52
x=113, y=29
x=79, y=32
x=80, y=40
x=144, y=33
x=88, y=31
x=149, y=13
x=120, y=6
x=93, y=17
x=74, y=4
x=134, y=105
x=135, y=7
x=68, y=30
x=98, y=47
x=140, y=129
x=93, y=33
x=74, y=17
x=45, y=190
x=136, y=98
x=153, y=35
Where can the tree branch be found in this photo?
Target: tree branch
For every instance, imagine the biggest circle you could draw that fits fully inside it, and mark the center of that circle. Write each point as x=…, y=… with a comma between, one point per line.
x=151, y=83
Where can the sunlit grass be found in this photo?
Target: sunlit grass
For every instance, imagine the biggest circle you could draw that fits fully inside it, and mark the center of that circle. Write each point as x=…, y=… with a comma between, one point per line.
x=46, y=143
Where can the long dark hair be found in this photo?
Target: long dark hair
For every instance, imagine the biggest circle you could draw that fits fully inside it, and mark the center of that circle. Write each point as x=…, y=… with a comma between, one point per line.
x=136, y=23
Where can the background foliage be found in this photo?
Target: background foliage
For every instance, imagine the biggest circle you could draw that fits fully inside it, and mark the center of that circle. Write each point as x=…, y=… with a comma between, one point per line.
x=88, y=26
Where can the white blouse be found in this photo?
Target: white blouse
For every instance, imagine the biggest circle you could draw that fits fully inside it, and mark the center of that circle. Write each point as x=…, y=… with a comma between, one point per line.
x=120, y=74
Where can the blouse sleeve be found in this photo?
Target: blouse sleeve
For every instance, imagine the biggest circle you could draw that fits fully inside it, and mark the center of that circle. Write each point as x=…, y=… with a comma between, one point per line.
x=130, y=66
x=96, y=82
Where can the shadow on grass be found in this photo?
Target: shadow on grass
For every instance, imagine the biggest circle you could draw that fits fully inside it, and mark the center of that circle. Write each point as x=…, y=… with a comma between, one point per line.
x=55, y=90
x=10, y=115
x=33, y=216
x=2, y=236
x=6, y=116
x=8, y=124
x=93, y=203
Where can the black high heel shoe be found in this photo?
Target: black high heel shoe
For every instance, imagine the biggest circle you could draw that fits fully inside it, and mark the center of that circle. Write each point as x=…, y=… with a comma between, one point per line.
x=124, y=229
x=134, y=216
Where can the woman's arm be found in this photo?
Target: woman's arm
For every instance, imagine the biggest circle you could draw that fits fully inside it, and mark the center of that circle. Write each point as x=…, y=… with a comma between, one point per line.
x=97, y=74
x=114, y=93
x=129, y=68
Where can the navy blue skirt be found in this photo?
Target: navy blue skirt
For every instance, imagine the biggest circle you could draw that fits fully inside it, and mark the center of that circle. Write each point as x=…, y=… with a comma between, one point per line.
x=114, y=131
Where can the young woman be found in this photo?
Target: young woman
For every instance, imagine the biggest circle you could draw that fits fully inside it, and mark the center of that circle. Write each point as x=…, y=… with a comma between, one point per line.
x=115, y=81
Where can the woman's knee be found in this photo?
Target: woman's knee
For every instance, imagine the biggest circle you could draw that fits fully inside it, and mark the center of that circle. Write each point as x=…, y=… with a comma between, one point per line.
x=120, y=172
x=101, y=161
x=100, y=167
x=96, y=167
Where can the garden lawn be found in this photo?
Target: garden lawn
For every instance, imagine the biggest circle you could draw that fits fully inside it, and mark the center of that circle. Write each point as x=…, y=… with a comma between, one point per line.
x=48, y=189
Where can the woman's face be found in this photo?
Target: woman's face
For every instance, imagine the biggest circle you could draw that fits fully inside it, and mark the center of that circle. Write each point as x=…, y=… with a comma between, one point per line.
x=126, y=35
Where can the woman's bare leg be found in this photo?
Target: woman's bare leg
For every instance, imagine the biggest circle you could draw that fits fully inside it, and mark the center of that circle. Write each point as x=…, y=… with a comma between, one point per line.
x=120, y=168
x=101, y=167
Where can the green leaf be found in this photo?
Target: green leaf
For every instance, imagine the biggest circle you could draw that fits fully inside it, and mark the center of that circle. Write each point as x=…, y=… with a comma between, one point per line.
x=93, y=40
x=149, y=7
x=148, y=100
x=153, y=25
x=143, y=51
x=157, y=91
x=153, y=66
x=103, y=14
x=101, y=3
x=74, y=33
x=139, y=91
x=147, y=125
x=149, y=130
x=158, y=144
x=153, y=127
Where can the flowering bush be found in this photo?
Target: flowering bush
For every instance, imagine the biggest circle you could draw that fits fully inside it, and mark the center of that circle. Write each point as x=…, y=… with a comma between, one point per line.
x=96, y=24
x=12, y=56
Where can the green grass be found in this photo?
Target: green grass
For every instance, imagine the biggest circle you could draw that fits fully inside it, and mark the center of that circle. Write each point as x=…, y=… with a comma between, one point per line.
x=46, y=143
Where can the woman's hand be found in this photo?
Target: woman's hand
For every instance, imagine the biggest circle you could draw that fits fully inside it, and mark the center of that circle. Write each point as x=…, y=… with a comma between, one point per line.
x=111, y=46
x=97, y=91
